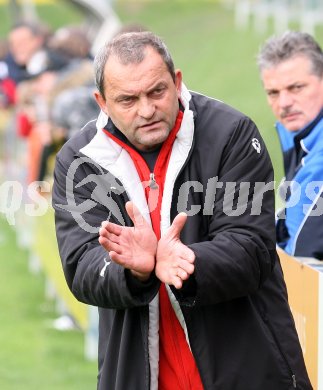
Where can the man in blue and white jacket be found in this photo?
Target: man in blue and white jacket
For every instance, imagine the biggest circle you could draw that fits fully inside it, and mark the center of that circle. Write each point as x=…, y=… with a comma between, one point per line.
x=291, y=68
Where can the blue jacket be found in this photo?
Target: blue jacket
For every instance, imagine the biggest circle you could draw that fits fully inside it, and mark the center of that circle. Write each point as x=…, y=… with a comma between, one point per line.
x=300, y=224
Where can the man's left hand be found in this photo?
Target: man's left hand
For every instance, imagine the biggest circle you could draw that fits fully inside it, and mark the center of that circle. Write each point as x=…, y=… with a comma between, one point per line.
x=174, y=261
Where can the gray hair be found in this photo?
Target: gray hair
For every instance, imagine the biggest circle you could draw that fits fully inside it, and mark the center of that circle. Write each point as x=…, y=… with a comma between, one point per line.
x=289, y=45
x=130, y=48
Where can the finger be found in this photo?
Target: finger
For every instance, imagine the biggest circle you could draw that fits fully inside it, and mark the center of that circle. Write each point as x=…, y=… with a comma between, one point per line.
x=177, y=282
x=109, y=236
x=104, y=224
x=187, y=254
x=103, y=228
x=113, y=238
x=110, y=246
x=182, y=274
x=111, y=228
x=103, y=231
x=135, y=215
x=104, y=242
x=177, y=225
x=184, y=252
x=120, y=259
x=116, y=257
x=186, y=266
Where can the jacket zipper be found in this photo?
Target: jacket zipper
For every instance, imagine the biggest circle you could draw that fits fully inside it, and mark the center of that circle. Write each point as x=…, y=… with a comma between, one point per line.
x=294, y=381
x=152, y=181
x=282, y=354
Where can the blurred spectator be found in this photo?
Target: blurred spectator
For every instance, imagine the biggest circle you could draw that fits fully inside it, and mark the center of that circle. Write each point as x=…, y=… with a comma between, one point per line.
x=33, y=108
x=72, y=109
x=4, y=49
x=7, y=86
x=64, y=65
x=25, y=40
x=71, y=41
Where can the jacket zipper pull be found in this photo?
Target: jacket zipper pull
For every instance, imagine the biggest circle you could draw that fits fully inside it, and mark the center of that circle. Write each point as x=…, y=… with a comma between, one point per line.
x=294, y=381
x=152, y=182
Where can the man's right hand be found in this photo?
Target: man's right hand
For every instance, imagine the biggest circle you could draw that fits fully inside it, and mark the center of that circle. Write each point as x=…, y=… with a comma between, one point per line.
x=132, y=247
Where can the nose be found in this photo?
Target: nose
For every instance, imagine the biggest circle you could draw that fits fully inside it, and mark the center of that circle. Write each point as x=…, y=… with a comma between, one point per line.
x=146, y=108
x=285, y=99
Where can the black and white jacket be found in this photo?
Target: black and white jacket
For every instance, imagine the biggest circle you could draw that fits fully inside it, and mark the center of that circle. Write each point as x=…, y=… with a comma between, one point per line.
x=234, y=308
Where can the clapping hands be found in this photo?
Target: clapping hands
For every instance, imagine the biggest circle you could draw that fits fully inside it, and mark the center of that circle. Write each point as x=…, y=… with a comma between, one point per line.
x=137, y=248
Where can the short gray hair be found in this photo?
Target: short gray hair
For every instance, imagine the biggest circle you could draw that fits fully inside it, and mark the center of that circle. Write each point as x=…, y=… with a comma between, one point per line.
x=289, y=45
x=130, y=48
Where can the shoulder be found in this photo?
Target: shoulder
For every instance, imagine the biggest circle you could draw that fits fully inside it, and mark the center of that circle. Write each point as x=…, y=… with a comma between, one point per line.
x=206, y=105
x=80, y=139
x=214, y=114
x=219, y=121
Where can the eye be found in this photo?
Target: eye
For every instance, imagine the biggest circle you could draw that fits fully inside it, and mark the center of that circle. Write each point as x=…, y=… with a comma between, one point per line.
x=272, y=94
x=158, y=92
x=126, y=101
x=297, y=88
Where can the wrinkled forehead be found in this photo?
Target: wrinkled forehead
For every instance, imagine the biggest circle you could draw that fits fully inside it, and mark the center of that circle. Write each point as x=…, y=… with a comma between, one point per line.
x=130, y=56
x=151, y=61
x=136, y=78
x=295, y=64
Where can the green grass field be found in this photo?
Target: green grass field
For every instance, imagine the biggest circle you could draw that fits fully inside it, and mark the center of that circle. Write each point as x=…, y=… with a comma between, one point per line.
x=33, y=354
x=217, y=60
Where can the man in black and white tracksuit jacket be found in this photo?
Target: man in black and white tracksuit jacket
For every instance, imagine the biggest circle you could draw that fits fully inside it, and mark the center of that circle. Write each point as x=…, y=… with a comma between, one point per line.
x=232, y=308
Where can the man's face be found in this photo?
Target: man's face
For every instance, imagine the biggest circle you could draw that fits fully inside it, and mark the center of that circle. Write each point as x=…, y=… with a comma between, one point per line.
x=294, y=93
x=23, y=44
x=141, y=99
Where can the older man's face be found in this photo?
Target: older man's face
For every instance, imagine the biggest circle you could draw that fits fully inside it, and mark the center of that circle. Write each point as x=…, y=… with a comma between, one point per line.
x=294, y=93
x=141, y=99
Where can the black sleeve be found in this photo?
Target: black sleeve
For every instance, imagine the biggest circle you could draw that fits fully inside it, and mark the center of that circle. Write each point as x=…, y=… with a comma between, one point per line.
x=238, y=252
x=89, y=273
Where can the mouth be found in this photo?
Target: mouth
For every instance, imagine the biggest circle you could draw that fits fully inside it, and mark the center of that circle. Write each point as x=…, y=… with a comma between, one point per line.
x=290, y=116
x=151, y=125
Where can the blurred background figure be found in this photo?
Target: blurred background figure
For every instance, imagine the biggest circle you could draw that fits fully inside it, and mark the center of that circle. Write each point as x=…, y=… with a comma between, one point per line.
x=7, y=85
x=71, y=41
x=65, y=64
x=70, y=108
x=25, y=40
x=291, y=68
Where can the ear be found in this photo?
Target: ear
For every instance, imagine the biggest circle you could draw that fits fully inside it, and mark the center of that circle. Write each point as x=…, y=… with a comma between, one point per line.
x=178, y=82
x=101, y=101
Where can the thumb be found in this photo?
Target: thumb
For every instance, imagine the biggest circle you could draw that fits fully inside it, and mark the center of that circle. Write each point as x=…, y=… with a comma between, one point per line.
x=135, y=215
x=177, y=225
